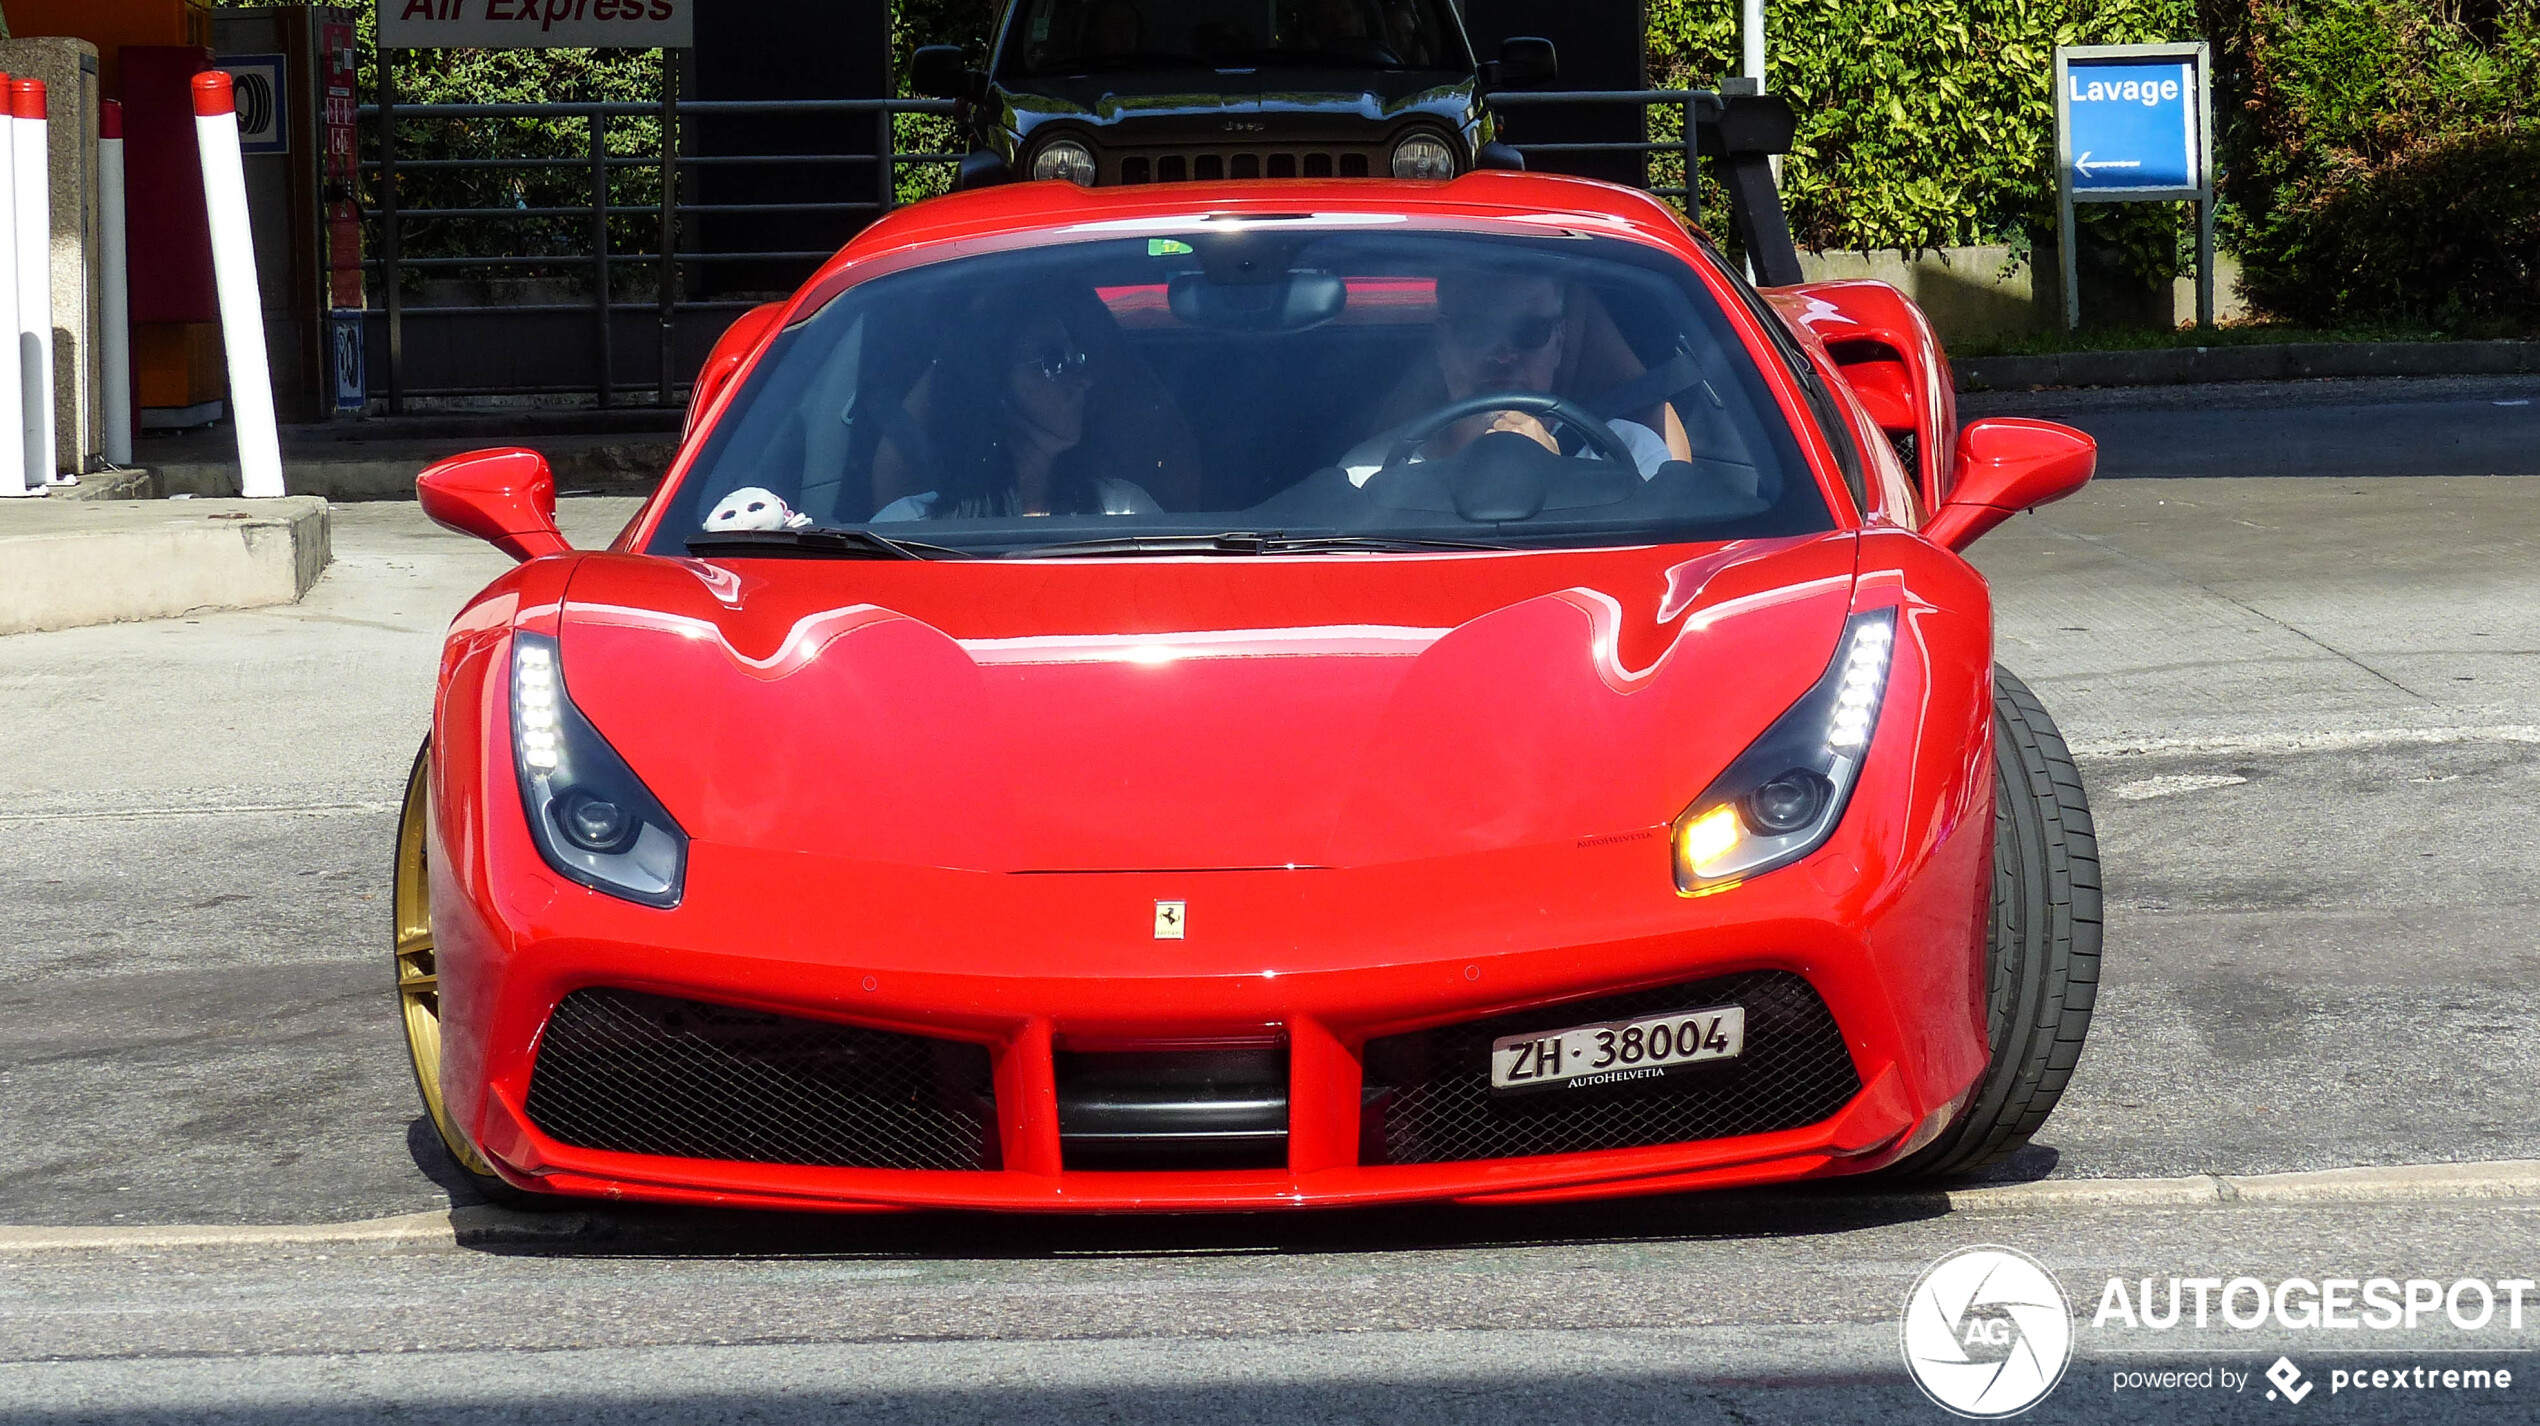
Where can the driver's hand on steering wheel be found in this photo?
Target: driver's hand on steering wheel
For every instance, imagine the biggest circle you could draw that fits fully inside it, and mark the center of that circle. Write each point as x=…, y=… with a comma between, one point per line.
x=1463, y=433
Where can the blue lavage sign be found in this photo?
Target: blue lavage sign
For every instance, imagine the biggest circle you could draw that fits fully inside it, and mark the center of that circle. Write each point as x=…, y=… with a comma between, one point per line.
x=2133, y=125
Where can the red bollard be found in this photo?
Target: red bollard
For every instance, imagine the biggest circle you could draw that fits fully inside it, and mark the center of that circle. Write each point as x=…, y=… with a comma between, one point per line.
x=114, y=290
x=29, y=137
x=15, y=478
x=242, y=315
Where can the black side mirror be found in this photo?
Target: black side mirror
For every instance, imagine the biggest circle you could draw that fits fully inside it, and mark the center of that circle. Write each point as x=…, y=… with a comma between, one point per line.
x=939, y=72
x=1525, y=61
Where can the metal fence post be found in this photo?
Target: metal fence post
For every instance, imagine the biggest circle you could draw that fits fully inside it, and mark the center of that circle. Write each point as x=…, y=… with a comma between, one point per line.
x=1693, y=163
x=600, y=253
x=388, y=236
x=886, y=150
x=666, y=275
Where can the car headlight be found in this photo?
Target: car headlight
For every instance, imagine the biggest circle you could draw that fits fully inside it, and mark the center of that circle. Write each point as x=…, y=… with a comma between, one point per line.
x=1065, y=158
x=592, y=819
x=1783, y=796
x=1423, y=156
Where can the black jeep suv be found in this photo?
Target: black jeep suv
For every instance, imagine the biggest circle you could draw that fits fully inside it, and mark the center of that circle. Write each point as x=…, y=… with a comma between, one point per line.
x=1163, y=91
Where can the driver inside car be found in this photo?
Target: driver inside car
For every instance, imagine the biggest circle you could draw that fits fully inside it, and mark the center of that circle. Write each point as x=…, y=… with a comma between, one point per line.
x=1507, y=334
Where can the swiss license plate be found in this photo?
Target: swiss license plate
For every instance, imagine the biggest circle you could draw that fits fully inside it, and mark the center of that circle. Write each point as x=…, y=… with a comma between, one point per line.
x=1617, y=1051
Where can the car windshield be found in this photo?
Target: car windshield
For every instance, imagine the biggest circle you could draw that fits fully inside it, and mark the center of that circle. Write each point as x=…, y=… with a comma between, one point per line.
x=1254, y=387
x=1069, y=37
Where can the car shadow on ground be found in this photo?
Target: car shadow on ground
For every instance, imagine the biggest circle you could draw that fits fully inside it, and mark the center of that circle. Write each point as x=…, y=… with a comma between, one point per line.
x=587, y=1228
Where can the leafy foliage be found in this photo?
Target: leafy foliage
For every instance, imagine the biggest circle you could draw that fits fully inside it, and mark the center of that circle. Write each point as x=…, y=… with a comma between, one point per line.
x=2385, y=161
x=1921, y=124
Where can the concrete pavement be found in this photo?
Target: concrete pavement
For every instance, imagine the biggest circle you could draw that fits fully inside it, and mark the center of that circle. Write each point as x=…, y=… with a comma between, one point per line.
x=1669, y=1310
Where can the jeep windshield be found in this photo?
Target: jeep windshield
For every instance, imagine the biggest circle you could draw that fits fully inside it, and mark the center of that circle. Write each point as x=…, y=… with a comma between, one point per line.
x=1078, y=37
x=1263, y=388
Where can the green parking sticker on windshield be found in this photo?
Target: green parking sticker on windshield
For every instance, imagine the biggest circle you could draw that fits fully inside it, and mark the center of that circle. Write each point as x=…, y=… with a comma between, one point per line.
x=1166, y=247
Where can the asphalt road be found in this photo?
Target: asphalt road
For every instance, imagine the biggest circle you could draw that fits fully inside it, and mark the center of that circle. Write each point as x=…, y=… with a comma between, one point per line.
x=2480, y=425
x=1675, y=1311
x=2304, y=708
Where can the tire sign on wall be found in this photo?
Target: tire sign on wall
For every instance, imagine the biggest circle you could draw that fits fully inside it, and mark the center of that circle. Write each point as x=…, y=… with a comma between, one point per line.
x=263, y=97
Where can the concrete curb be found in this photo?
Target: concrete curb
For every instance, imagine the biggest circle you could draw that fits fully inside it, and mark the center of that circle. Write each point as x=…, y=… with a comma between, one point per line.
x=109, y=485
x=76, y=563
x=495, y=1227
x=2289, y=361
x=2406, y=1183
x=630, y=464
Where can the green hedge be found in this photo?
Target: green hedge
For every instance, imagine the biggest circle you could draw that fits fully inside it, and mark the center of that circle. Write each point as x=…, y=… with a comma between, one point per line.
x=1922, y=124
x=2384, y=161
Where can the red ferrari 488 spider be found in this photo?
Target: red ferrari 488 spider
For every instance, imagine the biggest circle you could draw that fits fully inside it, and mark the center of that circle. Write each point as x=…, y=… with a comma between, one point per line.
x=1226, y=696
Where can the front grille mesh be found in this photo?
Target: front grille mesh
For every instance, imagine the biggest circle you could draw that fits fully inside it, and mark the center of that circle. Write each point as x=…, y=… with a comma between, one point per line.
x=1428, y=1096
x=647, y=1074
x=1207, y=165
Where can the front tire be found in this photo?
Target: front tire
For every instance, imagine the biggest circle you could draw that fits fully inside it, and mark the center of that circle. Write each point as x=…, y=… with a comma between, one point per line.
x=2042, y=947
x=419, y=985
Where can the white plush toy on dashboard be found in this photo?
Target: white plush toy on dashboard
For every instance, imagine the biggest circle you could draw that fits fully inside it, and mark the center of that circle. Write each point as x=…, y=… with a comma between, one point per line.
x=752, y=508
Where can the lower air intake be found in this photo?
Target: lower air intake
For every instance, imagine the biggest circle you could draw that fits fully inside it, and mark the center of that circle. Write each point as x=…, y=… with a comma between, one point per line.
x=647, y=1074
x=1428, y=1098
x=1202, y=1107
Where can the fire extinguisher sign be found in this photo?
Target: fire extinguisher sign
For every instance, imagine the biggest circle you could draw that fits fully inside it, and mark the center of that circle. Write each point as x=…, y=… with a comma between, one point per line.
x=263, y=121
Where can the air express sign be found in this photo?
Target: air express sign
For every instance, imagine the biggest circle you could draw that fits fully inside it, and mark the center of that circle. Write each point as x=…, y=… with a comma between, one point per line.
x=538, y=24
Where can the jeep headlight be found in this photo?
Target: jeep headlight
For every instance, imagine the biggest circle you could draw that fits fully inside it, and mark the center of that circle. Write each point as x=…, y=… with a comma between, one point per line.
x=593, y=820
x=1784, y=795
x=1065, y=158
x=1423, y=156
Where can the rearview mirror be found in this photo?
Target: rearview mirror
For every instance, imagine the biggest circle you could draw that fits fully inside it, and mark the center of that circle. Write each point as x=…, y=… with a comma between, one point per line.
x=506, y=498
x=1526, y=60
x=939, y=72
x=1292, y=302
x=2006, y=465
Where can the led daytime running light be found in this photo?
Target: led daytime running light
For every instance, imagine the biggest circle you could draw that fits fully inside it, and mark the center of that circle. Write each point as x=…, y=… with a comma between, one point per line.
x=1856, y=700
x=534, y=687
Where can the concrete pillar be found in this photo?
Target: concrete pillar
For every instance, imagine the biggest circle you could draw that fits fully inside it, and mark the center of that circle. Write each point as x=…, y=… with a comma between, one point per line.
x=69, y=71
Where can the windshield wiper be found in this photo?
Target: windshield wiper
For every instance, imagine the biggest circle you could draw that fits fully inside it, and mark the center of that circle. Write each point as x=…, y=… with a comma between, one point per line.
x=816, y=544
x=1246, y=542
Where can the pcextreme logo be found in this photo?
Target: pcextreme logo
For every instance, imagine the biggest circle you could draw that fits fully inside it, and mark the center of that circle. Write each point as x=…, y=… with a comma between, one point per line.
x=1988, y=1332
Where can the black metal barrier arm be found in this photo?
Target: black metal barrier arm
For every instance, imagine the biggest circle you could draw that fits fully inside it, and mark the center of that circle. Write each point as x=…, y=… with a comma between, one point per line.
x=1750, y=130
x=1743, y=131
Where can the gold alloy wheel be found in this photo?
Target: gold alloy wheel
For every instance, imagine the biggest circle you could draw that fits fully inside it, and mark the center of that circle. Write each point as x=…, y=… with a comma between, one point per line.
x=418, y=973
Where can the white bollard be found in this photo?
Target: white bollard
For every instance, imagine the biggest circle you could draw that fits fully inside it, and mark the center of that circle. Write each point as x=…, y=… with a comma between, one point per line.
x=13, y=471
x=31, y=139
x=242, y=312
x=114, y=297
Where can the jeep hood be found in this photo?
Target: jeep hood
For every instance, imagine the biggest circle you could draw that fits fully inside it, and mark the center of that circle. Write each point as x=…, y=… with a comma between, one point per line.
x=1195, y=713
x=1179, y=106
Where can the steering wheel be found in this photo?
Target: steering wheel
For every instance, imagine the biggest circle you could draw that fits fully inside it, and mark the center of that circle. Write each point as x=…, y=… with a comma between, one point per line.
x=1534, y=403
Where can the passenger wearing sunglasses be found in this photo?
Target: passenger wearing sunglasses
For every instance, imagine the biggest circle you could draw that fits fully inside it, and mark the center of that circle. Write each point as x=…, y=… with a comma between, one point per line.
x=1507, y=334
x=1014, y=442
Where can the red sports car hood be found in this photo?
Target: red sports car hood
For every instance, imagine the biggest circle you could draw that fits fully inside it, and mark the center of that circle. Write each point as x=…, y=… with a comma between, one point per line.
x=1159, y=714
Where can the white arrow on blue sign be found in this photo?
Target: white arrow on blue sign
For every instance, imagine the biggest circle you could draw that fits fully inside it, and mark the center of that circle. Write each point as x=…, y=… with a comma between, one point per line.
x=2133, y=125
